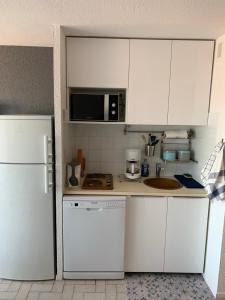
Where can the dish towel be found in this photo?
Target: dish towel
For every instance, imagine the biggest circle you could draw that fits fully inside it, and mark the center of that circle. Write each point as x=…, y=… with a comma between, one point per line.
x=213, y=173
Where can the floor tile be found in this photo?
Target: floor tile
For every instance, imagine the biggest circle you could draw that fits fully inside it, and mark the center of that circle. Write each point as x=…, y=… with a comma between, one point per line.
x=42, y=287
x=78, y=296
x=14, y=286
x=121, y=296
x=84, y=288
x=58, y=286
x=7, y=295
x=100, y=286
x=160, y=286
x=67, y=292
x=94, y=296
x=33, y=296
x=110, y=289
x=4, y=287
x=23, y=291
x=110, y=297
x=50, y=296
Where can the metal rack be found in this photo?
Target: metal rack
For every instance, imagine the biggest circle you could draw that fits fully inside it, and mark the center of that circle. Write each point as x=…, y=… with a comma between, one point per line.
x=168, y=143
x=177, y=144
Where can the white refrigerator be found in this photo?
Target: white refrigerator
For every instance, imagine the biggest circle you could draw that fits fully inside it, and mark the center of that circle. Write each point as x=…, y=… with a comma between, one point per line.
x=26, y=198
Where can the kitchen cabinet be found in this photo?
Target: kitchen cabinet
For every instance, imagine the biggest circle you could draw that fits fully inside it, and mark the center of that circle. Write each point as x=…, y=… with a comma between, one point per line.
x=186, y=234
x=191, y=68
x=165, y=234
x=149, y=77
x=145, y=234
x=97, y=62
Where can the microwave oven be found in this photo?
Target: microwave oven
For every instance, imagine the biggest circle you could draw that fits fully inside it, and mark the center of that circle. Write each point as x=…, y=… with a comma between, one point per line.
x=92, y=105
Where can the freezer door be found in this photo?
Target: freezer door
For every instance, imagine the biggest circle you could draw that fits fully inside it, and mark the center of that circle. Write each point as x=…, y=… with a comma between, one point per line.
x=25, y=141
x=26, y=222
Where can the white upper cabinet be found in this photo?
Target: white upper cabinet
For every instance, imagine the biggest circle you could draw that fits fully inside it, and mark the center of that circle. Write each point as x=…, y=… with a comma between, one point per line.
x=97, y=62
x=149, y=75
x=190, y=82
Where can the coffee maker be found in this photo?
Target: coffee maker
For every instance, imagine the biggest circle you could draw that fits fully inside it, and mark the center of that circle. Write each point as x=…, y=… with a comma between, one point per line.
x=133, y=164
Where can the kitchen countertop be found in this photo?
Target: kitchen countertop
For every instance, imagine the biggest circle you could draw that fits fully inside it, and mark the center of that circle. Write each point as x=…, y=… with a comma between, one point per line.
x=127, y=188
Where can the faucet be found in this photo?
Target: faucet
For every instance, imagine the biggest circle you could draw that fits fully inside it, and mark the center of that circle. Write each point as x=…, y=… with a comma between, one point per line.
x=158, y=169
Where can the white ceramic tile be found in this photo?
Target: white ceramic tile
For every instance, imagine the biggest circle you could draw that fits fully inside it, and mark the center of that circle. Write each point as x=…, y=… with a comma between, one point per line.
x=93, y=167
x=112, y=143
x=94, y=155
x=95, y=143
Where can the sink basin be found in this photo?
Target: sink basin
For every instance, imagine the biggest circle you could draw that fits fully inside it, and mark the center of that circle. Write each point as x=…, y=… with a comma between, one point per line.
x=163, y=183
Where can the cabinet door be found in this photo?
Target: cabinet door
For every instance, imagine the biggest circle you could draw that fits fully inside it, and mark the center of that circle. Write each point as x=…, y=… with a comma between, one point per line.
x=97, y=62
x=149, y=81
x=190, y=82
x=145, y=234
x=186, y=235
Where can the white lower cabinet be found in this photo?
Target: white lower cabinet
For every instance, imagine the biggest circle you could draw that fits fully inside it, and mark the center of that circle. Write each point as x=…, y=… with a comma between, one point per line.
x=166, y=234
x=145, y=234
x=186, y=235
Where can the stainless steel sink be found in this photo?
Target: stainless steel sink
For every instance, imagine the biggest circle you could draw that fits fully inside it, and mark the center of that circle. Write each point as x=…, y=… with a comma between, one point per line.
x=163, y=183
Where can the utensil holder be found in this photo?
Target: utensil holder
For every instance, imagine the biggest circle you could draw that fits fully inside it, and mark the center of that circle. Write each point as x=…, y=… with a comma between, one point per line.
x=149, y=150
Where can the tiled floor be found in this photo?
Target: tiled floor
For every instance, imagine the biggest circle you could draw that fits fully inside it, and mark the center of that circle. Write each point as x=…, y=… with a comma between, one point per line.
x=134, y=287
x=64, y=290
x=167, y=287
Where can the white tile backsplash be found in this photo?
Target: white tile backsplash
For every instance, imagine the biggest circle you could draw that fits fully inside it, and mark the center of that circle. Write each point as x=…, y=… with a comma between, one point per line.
x=104, y=147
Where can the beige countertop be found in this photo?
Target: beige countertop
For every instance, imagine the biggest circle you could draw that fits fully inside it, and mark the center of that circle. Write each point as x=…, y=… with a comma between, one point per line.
x=126, y=188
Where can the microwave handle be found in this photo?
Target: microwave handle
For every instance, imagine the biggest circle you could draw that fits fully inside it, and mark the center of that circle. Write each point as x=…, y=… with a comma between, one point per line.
x=106, y=107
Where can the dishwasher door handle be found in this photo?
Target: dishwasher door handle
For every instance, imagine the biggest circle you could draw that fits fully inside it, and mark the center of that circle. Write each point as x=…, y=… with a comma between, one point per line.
x=94, y=209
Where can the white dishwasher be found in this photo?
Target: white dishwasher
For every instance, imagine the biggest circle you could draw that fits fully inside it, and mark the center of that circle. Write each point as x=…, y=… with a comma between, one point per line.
x=93, y=237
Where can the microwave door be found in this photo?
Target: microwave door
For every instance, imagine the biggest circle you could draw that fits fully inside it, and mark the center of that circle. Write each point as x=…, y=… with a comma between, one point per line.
x=87, y=107
x=106, y=107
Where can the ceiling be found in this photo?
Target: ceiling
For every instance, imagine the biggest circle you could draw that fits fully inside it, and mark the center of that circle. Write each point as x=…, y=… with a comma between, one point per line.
x=30, y=22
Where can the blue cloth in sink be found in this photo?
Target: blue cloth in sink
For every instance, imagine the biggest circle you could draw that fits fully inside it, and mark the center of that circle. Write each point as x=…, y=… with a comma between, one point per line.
x=189, y=183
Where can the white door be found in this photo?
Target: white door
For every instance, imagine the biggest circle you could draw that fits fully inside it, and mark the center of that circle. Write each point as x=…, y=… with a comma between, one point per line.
x=97, y=62
x=25, y=141
x=149, y=76
x=186, y=234
x=145, y=234
x=26, y=223
x=93, y=239
x=191, y=70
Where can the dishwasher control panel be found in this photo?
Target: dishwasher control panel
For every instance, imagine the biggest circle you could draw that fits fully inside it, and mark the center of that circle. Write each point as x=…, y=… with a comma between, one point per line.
x=94, y=204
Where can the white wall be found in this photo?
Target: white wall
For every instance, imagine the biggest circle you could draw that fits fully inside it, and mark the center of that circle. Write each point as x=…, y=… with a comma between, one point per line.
x=215, y=267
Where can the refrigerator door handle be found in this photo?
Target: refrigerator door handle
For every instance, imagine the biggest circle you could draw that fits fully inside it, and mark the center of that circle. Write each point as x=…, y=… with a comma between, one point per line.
x=47, y=155
x=48, y=183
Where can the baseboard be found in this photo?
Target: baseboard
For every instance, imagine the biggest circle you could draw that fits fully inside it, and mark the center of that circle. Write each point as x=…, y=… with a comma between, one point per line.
x=220, y=296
